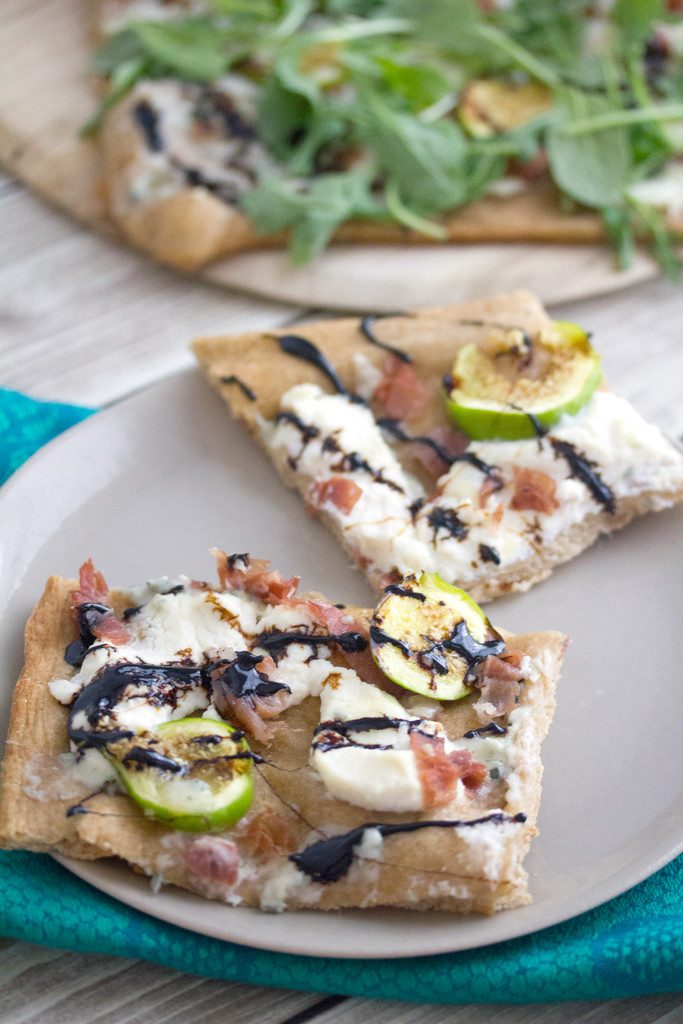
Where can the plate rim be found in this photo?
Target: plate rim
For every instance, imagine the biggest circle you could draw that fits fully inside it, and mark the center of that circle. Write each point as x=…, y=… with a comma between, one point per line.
x=609, y=886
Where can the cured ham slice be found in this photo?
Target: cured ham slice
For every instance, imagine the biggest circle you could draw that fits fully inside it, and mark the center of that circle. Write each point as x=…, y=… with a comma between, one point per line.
x=534, y=491
x=439, y=771
x=499, y=680
x=338, y=490
x=102, y=621
x=214, y=862
x=400, y=393
x=253, y=576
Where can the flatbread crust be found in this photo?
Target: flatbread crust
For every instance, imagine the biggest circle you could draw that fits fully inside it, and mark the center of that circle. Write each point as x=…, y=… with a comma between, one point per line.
x=431, y=336
x=454, y=872
x=194, y=227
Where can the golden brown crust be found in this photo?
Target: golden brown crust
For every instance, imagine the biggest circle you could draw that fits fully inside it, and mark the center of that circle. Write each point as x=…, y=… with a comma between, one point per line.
x=35, y=793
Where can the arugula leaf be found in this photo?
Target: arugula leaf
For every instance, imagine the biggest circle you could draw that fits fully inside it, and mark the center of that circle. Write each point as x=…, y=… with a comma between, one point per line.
x=425, y=161
x=312, y=210
x=634, y=19
x=594, y=168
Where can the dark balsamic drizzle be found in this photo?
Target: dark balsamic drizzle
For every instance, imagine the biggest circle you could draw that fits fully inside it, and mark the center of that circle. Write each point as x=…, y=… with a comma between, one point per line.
x=368, y=724
x=275, y=642
x=244, y=388
x=302, y=348
x=492, y=727
x=242, y=678
x=308, y=431
x=584, y=470
x=366, y=326
x=446, y=519
x=240, y=556
x=416, y=507
x=489, y=554
x=162, y=684
x=462, y=643
x=210, y=741
x=396, y=588
x=328, y=860
x=379, y=637
x=147, y=119
x=143, y=756
x=394, y=427
x=88, y=615
x=351, y=461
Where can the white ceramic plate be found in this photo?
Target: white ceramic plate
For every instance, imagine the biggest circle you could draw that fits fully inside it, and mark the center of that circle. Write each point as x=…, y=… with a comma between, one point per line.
x=147, y=486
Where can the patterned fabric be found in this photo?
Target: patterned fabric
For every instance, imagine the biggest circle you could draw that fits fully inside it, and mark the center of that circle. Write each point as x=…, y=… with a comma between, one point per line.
x=632, y=945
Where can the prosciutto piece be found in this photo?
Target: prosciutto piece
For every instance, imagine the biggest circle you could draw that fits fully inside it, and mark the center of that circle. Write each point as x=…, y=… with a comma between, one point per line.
x=499, y=679
x=439, y=771
x=101, y=620
x=338, y=490
x=214, y=862
x=400, y=393
x=253, y=576
x=534, y=491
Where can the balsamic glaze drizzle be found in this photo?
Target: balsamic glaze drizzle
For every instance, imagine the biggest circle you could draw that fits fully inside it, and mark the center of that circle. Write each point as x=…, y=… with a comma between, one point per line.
x=396, y=588
x=143, y=756
x=302, y=348
x=394, y=427
x=581, y=468
x=446, y=519
x=241, y=678
x=147, y=119
x=366, y=326
x=489, y=554
x=492, y=727
x=248, y=392
x=88, y=615
x=379, y=637
x=328, y=860
x=275, y=642
x=350, y=461
x=162, y=684
x=368, y=724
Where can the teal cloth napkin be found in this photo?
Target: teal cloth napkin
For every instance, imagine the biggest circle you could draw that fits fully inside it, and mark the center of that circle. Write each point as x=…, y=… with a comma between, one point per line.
x=632, y=945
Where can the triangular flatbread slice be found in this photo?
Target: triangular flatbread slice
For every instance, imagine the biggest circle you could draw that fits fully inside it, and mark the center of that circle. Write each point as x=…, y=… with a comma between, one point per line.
x=448, y=838
x=480, y=524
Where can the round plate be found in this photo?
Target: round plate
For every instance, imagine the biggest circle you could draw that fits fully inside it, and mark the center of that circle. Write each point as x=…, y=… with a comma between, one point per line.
x=149, y=485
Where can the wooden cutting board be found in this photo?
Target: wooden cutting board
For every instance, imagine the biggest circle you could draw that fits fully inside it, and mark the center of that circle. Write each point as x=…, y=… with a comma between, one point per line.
x=46, y=94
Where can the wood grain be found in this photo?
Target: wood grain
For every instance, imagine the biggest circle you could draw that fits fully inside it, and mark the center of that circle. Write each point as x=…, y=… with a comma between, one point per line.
x=46, y=95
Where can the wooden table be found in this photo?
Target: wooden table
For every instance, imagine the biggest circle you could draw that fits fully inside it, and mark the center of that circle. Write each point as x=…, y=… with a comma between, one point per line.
x=84, y=321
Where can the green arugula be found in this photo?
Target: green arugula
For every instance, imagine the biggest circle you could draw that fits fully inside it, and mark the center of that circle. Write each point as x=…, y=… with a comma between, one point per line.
x=358, y=104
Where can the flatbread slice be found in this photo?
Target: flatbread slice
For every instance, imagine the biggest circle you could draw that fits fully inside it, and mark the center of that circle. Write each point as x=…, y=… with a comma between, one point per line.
x=468, y=859
x=475, y=528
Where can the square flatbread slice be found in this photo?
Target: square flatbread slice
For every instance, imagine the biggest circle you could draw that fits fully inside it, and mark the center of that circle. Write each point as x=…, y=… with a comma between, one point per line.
x=488, y=532
x=471, y=859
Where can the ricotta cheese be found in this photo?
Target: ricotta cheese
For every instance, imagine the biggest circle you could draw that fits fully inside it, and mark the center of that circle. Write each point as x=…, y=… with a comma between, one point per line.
x=630, y=455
